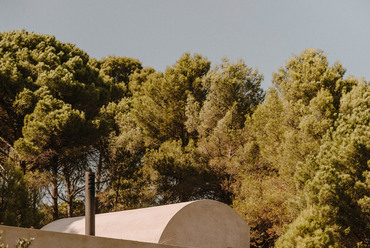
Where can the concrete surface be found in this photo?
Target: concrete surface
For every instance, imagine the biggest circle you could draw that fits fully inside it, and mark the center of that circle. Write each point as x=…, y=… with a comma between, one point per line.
x=203, y=224
x=47, y=239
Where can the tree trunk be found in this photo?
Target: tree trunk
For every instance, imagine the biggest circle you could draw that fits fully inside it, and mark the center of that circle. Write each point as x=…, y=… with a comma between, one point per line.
x=69, y=202
x=98, y=179
x=68, y=193
x=54, y=196
x=54, y=193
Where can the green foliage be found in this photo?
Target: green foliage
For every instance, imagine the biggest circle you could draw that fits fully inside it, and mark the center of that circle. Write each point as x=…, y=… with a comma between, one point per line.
x=294, y=165
x=179, y=174
x=308, y=230
x=305, y=75
x=54, y=138
x=335, y=183
x=159, y=105
x=24, y=243
x=30, y=61
x=262, y=201
x=233, y=92
x=117, y=71
x=121, y=149
x=310, y=91
x=286, y=130
x=19, y=199
x=52, y=126
x=49, y=90
x=230, y=86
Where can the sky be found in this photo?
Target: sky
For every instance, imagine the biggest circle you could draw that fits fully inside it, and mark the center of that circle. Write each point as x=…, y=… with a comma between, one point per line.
x=264, y=33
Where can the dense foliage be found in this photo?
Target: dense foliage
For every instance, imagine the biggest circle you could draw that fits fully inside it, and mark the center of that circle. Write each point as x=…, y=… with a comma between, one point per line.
x=294, y=161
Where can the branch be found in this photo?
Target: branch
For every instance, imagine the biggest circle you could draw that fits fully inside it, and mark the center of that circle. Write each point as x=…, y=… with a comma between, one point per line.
x=11, y=148
x=6, y=143
x=2, y=169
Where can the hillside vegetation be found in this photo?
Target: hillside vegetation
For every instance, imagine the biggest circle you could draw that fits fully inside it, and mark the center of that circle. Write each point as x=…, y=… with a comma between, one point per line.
x=292, y=161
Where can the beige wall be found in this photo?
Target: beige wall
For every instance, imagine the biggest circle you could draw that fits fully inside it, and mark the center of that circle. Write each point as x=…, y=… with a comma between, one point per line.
x=203, y=224
x=207, y=224
x=46, y=239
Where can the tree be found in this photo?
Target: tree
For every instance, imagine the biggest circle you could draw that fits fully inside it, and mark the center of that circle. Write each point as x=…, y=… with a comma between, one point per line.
x=229, y=86
x=178, y=174
x=30, y=61
x=121, y=183
x=117, y=163
x=171, y=110
x=284, y=130
x=233, y=92
x=117, y=71
x=311, y=91
x=159, y=104
x=297, y=158
x=29, y=64
x=19, y=199
x=53, y=137
x=334, y=185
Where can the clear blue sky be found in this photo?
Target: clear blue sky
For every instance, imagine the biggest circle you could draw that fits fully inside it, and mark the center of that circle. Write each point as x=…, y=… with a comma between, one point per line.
x=157, y=32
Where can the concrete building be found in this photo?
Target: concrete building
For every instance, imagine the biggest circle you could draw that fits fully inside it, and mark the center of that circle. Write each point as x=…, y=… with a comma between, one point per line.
x=203, y=223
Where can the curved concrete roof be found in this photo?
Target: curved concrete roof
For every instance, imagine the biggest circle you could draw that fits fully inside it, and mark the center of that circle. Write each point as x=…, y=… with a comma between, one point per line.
x=203, y=223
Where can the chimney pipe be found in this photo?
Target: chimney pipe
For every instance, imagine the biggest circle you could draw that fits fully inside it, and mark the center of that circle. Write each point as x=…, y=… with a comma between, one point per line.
x=90, y=203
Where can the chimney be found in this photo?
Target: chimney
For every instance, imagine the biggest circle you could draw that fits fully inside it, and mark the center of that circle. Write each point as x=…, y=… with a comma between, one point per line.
x=90, y=203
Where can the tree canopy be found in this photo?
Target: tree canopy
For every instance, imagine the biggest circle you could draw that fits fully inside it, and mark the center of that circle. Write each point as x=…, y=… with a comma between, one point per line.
x=292, y=161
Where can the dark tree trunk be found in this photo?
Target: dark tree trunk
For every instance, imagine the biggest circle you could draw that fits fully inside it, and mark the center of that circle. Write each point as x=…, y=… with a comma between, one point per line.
x=54, y=193
x=54, y=196
x=69, y=199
